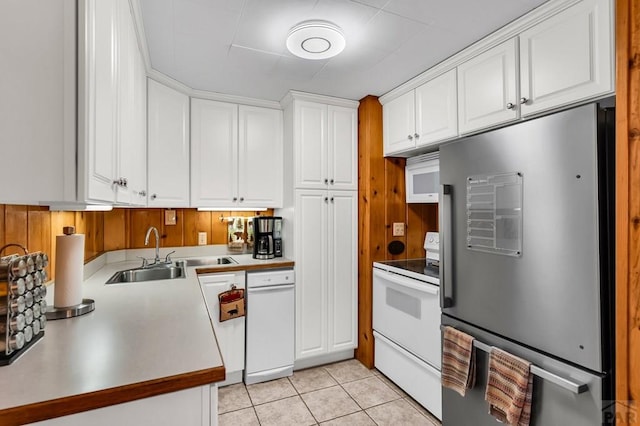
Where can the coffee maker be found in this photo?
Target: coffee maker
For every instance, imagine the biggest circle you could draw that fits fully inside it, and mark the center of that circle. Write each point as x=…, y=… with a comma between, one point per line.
x=268, y=237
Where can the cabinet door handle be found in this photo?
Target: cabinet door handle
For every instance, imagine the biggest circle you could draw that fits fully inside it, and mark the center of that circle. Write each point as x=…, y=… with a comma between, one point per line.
x=511, y=106
x=524, y=100
x=417, y=136
x=410, y=137
x=154, y=196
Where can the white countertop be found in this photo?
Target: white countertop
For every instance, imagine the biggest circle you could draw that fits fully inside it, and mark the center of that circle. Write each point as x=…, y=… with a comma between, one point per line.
x=138, y=332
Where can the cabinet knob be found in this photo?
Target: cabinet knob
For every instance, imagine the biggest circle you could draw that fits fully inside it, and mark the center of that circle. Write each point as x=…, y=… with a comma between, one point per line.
x=332, y=199
x=241, y=199
x=524, y=100
x=154, y=196
x=124, y=182
x=326, y=181
x=417, y=136
x=331, y=181
x=326, y=199
x=235, y=199
x=511, y=106
x=410, y=137
x=143, y=193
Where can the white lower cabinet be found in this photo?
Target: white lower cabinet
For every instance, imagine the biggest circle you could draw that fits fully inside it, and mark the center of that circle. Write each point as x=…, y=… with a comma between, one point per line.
x=196, y=406
x=230, y=333
x=326, y=271
x=168, y=146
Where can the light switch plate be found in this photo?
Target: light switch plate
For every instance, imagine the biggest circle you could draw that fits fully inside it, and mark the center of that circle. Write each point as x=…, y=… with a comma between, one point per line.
x=202, y=238
x=398, y=229
x=170, y=217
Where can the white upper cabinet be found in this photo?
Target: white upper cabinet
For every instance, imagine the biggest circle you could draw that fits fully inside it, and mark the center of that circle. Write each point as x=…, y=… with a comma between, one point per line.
x=112, y=106
x=236, y=155
x=98, y=100
x=437, y=109
x=326, y=144
x=399, y=123
x=342, y=144
x=568, y=57
x=260, y=157
x=131, y=173
x=422, y=116
x=487, y=90
x=214, y=153
x=168, y=146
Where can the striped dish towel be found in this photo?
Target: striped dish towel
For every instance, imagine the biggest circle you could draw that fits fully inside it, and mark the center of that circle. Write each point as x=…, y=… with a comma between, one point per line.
x=458, y=361
x=509, y=388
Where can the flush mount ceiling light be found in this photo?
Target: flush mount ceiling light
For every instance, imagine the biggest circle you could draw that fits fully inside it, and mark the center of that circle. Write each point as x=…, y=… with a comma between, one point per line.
x=315, y=40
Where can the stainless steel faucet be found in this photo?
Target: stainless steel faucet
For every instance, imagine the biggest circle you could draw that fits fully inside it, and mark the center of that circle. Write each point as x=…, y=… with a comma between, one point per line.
x=146, y=242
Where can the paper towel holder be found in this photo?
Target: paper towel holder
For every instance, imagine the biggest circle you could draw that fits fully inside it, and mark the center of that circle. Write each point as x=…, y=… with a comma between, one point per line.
x=86, y=306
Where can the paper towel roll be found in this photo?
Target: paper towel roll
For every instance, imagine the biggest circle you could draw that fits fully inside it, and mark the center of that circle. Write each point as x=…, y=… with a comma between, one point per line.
x=69, y=269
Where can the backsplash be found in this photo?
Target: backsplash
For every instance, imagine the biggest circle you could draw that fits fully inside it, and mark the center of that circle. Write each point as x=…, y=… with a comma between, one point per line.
x=35, y=227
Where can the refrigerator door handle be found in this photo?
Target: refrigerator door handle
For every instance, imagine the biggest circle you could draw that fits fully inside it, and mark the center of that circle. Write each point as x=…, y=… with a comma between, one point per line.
x=446, y=241
x=567, y=384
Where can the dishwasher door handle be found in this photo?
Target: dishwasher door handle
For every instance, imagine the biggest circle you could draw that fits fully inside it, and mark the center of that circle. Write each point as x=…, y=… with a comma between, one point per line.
x=271, y=288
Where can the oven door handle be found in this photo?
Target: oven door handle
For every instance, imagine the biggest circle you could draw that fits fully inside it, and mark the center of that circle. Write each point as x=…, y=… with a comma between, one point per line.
x=406, y=282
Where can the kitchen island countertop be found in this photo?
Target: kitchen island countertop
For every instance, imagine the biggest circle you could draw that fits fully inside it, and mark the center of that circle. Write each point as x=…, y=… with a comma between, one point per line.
x=143, y=339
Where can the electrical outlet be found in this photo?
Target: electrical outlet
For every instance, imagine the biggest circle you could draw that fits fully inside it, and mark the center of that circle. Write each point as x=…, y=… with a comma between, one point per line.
x=202, y=238
x=170, y=217
x=398, y=229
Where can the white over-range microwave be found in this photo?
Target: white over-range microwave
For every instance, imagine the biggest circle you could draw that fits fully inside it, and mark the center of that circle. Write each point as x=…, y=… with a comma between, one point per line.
x=422, y=178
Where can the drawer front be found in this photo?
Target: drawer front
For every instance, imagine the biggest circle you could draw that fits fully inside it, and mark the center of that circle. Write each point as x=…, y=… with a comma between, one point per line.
x=417, y=378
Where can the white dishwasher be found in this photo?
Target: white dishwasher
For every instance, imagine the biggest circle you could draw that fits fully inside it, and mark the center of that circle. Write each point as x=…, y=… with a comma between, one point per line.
x=270, y=325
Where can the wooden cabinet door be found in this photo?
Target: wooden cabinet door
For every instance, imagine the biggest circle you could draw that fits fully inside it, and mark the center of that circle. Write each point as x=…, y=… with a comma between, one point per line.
x=399, y=126
x=214, y=154
x=310, y=136
x=487, y=91
x=568, y=57
x=98, y=130
x=343, y=270
x=260, y=157
x=311, y=238
x=437, y=109
x=342, y=144
x=168, y=147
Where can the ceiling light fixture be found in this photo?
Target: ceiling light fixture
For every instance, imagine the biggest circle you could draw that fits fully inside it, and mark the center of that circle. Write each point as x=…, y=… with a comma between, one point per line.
x=315, y=40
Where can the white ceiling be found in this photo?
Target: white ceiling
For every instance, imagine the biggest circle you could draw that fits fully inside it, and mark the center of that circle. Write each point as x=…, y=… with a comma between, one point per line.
x=238, y=47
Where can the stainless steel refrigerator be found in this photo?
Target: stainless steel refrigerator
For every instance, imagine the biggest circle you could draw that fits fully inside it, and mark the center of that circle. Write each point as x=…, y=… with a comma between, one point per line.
x=527, y=260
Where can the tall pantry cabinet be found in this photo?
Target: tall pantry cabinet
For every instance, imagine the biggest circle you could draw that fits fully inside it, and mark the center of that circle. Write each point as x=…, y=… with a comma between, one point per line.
x=321, y=217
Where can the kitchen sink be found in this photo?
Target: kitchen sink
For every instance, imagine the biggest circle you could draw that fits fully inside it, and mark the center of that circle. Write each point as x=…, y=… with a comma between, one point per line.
x=209, y=261
x=152, y=273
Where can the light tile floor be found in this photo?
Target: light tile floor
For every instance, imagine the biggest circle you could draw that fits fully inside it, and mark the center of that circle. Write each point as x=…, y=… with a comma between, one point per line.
x=344, y=393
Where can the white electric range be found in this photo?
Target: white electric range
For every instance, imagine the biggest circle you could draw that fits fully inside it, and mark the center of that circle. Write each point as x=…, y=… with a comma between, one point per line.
x=406, y=324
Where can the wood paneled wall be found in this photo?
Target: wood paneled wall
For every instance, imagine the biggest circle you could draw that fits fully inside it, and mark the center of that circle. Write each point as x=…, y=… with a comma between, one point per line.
x=627, y=211
x=381, y=203
x=36, y=228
